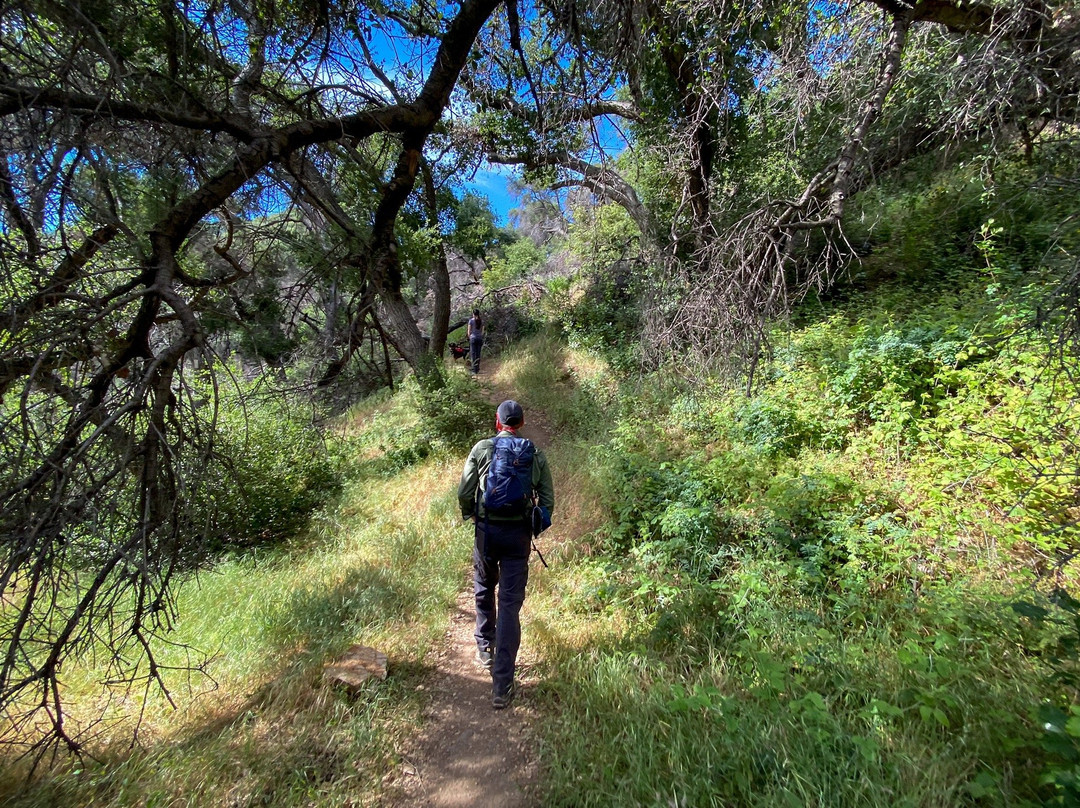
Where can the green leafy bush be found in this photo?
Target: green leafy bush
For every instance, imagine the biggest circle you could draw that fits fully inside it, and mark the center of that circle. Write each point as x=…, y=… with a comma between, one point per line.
x=772, y=426
x=732, y=475
x=605, y=317
x=805, y=507
x=518, y=259
x=805, y=589
x=453, y=416
x=893, y=376
x=1056, y=638
x=270, y=470
x=448, y=414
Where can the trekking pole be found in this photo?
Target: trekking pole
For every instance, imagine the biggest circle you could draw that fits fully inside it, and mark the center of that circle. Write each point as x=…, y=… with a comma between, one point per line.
x=536, y=530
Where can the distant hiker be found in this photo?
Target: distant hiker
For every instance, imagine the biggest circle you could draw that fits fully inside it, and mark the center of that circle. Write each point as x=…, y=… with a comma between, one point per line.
x=475, y=333
x=503, y=478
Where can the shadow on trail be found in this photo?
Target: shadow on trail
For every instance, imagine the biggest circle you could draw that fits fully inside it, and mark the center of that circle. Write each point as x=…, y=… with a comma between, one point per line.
x=465, y=753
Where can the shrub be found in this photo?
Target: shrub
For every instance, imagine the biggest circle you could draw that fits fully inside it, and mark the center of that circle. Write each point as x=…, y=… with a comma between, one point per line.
x=519, y=258
x=446, y=415
x=453, y=416
x=270, y=470
x=772, y=426
x=1056, y=638
x=606, y=317
x=733, y=475
x=897, y=378
x=806, y=509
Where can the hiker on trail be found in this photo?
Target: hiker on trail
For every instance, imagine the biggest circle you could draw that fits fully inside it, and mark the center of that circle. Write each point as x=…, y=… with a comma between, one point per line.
x=504, y=478
x=475, y=333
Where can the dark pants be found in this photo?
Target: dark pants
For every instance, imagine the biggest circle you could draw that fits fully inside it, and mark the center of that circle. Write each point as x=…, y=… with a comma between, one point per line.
x=500, y=561
x=475, y=344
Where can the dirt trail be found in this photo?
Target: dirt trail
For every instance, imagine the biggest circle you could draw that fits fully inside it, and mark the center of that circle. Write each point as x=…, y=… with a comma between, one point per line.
x=466, y=753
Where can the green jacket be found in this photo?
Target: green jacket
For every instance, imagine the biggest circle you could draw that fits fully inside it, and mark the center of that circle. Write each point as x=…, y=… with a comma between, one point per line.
x=475, y=472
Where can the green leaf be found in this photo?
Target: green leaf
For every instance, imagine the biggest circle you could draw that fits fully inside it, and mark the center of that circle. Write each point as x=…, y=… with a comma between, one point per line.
x=1029, y=610
x=1072, y=726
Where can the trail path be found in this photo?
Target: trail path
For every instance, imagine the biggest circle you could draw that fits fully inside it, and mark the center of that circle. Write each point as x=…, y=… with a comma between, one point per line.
x=466, y=753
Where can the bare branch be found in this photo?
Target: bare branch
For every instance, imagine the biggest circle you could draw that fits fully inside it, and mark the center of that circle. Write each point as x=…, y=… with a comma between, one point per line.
x=601, y=180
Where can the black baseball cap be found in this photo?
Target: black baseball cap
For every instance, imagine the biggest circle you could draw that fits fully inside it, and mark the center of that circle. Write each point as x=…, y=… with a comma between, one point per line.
x=510, y=413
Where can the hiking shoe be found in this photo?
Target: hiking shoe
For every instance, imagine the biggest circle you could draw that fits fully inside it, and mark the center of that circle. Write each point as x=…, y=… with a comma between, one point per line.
x=485, y=658
x=500, y=701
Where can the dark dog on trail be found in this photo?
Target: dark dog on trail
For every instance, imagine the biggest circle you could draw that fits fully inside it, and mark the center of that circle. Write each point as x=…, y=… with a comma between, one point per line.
x=458, y=352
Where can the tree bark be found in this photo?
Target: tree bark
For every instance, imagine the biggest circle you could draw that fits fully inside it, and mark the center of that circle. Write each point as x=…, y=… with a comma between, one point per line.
x=440, y=274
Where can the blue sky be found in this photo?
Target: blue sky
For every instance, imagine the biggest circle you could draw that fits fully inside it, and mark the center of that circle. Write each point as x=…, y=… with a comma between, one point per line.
x=494, y=185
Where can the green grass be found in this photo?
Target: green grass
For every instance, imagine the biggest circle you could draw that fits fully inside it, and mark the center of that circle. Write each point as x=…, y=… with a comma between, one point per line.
x=781, y=614
x=789, y=700
x=780, y=601
x=573, y=388
x=262, y=727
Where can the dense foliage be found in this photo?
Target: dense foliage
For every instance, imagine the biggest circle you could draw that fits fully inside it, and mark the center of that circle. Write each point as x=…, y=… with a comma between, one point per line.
x=851, y=585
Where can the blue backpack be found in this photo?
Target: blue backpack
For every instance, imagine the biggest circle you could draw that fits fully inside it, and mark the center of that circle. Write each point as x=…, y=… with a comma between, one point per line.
x=508, y=489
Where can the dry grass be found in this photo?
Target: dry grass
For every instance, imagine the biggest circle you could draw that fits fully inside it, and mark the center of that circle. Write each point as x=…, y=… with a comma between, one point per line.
x=579, y=511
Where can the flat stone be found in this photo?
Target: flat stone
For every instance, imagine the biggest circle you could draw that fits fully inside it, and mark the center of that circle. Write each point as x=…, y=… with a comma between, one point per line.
x=356, y=666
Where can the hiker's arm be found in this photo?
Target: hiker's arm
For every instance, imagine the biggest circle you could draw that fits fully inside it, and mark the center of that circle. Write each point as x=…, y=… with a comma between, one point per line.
x=545, y=489
x=470, y=478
